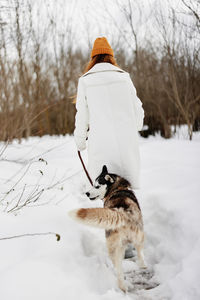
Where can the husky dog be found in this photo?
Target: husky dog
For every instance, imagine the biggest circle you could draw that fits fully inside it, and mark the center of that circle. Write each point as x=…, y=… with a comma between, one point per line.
x=121, y=218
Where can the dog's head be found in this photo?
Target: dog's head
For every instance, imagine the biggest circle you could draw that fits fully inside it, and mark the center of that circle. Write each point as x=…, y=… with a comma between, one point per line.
x=101, y=185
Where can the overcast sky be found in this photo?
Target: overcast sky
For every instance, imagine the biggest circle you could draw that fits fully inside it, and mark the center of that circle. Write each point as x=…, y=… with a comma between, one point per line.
x=88, y=19
x=93, y=18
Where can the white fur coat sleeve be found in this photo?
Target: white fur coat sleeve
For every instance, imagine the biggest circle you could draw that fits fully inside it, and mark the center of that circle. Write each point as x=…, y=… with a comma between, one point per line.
x=139, y=111
x=81, y=120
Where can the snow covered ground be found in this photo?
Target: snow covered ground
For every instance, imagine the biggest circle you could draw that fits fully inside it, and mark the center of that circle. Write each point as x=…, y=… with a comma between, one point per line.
x=77, y=266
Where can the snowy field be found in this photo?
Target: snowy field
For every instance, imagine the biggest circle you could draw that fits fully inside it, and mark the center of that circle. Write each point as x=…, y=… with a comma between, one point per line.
x=45, y=175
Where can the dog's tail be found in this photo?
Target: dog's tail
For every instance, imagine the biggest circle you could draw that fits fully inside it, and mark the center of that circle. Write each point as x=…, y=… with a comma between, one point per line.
x=105, y=218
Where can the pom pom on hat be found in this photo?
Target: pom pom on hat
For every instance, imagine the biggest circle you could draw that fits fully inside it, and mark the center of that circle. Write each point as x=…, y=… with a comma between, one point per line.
x=101, y=46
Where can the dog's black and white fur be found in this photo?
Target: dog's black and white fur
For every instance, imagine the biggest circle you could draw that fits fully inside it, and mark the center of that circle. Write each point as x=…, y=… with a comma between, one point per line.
x=120, y=217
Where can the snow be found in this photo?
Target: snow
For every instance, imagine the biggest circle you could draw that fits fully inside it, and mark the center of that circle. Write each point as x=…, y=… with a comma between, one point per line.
x=39, y=267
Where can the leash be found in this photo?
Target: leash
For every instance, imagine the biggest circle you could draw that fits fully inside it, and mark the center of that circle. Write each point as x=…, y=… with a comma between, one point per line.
x=86, y=172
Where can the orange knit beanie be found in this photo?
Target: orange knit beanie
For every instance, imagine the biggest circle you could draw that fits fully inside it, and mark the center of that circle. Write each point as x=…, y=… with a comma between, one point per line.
x=101, y=46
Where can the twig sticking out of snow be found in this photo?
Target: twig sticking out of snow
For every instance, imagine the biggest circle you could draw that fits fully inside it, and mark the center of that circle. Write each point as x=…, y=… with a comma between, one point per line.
x=31, y=234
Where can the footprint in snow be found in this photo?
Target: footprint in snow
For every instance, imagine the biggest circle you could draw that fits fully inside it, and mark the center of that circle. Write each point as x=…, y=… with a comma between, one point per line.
x=142, y=279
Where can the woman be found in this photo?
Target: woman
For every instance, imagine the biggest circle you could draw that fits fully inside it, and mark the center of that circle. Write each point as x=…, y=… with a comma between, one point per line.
x=109, y=114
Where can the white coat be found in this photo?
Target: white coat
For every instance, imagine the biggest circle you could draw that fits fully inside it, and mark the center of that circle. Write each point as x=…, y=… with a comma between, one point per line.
x=110, y=114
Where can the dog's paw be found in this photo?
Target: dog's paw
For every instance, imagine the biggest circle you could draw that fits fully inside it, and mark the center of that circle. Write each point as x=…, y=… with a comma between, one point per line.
x=122, y=286
x=123, y=289
x=142, y=264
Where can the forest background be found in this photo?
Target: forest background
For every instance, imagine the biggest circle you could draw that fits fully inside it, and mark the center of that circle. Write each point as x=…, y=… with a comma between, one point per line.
x=45, y=46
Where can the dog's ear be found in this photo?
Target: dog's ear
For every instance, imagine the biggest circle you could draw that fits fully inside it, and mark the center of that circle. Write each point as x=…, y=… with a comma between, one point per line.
x=104, y=169
x=109, y=178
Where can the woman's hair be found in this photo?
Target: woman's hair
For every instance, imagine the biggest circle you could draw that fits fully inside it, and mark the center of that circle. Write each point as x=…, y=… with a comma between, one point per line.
x=107, y=58
x=99, y=59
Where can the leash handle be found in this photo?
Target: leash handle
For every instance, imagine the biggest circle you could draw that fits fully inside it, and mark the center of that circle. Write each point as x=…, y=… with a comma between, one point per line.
x=86, y=172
